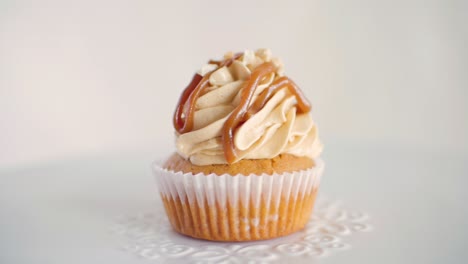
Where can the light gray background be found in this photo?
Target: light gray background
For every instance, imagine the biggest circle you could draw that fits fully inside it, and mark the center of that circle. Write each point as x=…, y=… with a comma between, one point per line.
x=87, y=91
x=93, y=76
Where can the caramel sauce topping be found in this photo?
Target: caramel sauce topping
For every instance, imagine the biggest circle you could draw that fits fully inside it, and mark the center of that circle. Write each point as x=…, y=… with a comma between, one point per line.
x=183, y=116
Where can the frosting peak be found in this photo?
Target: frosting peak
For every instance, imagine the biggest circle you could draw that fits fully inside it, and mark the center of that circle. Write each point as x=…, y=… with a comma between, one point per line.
x=243, y=108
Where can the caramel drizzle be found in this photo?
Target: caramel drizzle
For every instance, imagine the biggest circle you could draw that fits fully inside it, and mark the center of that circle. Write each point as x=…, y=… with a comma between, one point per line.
x=183, y=116
x=242, y=112
x=275, y=86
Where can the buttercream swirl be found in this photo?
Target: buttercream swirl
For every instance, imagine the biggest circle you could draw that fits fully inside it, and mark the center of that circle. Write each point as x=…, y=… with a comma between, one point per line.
x=277, y=128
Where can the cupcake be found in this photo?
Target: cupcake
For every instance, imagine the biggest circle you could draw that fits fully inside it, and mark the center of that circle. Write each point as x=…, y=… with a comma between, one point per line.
x=247, y=164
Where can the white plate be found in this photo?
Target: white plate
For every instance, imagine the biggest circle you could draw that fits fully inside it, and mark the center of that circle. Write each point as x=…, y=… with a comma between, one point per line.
x=149, y=235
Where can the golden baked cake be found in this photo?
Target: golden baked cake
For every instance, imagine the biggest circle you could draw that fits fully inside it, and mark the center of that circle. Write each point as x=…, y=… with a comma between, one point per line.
x=247, y=164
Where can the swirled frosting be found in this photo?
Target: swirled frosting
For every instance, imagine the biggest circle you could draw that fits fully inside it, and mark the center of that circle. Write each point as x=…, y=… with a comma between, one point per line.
x=278, y=127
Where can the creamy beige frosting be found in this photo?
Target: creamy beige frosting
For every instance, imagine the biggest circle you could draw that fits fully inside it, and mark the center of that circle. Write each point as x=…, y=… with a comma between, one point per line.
x=276, y=129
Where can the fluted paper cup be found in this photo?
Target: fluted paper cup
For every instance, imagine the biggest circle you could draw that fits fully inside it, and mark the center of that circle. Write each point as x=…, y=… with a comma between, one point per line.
x=240, y=207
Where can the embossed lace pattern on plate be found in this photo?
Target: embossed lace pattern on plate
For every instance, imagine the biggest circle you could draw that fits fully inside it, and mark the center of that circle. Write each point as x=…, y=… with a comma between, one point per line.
x=150, y=236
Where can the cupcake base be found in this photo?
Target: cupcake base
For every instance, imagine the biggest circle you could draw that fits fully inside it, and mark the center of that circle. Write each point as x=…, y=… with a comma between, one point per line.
x=279, y=164
x=238, y=222
x=238, y=207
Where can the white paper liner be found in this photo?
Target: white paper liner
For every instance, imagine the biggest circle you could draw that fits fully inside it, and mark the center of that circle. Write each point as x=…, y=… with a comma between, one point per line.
x=245, y=196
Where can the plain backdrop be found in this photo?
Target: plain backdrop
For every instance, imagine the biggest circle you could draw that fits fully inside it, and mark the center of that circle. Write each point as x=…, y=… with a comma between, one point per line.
x=85, y=77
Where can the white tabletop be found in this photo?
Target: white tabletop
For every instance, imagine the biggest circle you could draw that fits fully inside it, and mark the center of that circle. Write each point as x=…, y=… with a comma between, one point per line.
x=61, y=212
